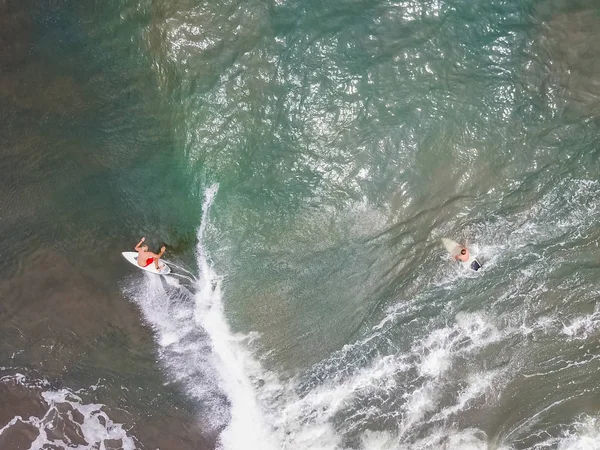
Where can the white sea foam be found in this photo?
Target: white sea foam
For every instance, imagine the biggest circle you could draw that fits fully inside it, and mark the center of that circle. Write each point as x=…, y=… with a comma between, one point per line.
x=583, y=434
x=582, y=327
x=478, y=385
x=452, y=439
x=469, y=332
x=381, y=440
x=309, y=418
x=89, y=422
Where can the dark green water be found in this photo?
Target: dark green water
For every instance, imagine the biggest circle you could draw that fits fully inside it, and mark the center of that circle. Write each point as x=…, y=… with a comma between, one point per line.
x=303, y=160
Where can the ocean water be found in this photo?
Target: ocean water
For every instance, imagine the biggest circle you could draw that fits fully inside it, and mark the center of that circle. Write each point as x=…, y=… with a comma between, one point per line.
x=302, y=161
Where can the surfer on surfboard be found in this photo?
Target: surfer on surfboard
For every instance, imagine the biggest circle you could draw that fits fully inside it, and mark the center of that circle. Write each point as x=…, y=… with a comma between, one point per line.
x=145, y=257
x=461, y=254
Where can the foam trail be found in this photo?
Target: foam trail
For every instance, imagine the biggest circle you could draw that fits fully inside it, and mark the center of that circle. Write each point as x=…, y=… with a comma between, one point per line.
x=183, y=269
x=246, y=428
x=184, y=277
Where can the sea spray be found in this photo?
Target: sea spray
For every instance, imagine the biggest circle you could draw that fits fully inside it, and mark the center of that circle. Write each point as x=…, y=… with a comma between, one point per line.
x=232, y=361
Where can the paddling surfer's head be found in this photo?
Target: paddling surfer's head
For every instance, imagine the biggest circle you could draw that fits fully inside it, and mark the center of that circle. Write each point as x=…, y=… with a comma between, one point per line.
x=145, y=247
x=463, y=251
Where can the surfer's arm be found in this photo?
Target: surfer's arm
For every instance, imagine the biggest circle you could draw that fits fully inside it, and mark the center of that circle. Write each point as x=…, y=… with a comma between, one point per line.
x=137, y=247
x=162, y=251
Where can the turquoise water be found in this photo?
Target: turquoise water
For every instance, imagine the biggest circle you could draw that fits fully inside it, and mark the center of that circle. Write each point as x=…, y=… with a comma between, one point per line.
x=302, y=161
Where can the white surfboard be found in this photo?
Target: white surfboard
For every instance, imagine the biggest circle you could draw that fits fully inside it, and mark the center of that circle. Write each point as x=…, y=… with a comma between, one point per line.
x=132, y=258
x=454, y=249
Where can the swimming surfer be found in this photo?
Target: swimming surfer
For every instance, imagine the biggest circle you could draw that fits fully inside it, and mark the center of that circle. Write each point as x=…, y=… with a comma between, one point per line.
x=464, y=256
x=145, y=258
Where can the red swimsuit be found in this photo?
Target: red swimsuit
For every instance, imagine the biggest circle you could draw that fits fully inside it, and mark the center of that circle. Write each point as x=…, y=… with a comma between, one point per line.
x=148, y=262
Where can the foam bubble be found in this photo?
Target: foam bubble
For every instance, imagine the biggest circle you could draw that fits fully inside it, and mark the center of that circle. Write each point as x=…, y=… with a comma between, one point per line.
x=478, y=385
x=582, y=327
x=381, y=440
x=168, y=338
x=583, y=434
